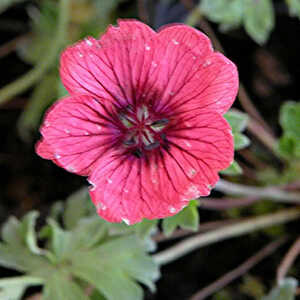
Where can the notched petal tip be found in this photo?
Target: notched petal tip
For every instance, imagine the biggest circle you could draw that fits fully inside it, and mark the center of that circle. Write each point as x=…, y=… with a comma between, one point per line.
x=43, y=149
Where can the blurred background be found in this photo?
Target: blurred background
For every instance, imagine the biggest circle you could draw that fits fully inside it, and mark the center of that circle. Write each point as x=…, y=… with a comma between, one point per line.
x=261, y=37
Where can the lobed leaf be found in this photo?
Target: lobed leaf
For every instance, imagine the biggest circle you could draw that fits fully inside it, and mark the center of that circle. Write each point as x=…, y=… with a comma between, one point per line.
x=233, y=169
x=285, y=291
x=13, y=288
x=116, y=263
x=259, y=19
x=187, y=218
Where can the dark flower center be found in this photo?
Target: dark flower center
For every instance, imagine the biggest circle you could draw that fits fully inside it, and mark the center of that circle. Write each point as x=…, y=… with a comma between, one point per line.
x=143, y=131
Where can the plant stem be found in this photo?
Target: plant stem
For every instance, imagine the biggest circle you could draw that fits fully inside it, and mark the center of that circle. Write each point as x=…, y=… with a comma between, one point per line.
x=288, y=261
x=252, y=224
x=34, y=75
x=271, y=193
x=239, y=271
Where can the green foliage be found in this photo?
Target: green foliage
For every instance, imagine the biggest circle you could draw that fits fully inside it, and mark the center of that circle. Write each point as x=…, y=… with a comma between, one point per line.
x=42, y=32
x=285, y=291
x=233, y=169
x=294, y=7
x=13, y=288
x=289, y=144
x=188, y=218
x=5, y=4
x=238, y=122
x=43, y=95
x=87, y=253
x=228, y=13
x=259, y=19
x=253, y=287
x=257, y=16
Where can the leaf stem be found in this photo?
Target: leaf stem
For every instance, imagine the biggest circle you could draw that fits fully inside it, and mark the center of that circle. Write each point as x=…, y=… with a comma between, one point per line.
x=244, y=227
x=239, y=271
x=34, y=75
x=288, y=260
x=271, y=192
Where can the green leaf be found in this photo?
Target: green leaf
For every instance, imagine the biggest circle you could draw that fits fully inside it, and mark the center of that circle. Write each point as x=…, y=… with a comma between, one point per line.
x=240, y=141
x=294, y=7
x=59, y=239
x=43, y=95
x=20, y=250
x=11, y=232
x=226, y=12
x=237, y=120
x=187, y=218
x=21, y=259
x=286, y=146
x=259, y=19
x=285, y=291
x=290, y=119
x=78, y=205
x=43, y=33
x=88, y=232
x=232, y=170
x=28, y=232
x=144, y=228
x=116, y=263
x=5, y=4
x=60, y=286
x=13, y=288
x=22, y=234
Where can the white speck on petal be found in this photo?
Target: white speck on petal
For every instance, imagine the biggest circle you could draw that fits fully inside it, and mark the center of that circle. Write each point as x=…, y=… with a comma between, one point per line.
x=100, y=206
x=57, y=156
x=99, y=127
x=93, y=185
x=147, y=47
x=88, y=42
x=47, y=124
x=126, y=221
x=70, y=169
x=230, y=132
x=80, y=54
x=194, y=191
x=154, y=64
x=207, y=63
x=194, y=57
x=126, y=191
x=188, y=144
x=172, y=209
x=175, y=42
x=109, y=180
x=86, y=133
x=171, y=93
x=67, y=131
x=192, y=172
x=154, y=180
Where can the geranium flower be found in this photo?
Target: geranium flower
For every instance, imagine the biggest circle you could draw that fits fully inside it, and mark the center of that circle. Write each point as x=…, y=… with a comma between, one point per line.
x=143, y=120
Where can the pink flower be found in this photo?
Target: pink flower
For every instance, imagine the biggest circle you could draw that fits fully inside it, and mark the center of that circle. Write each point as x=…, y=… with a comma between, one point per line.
x=143, y=120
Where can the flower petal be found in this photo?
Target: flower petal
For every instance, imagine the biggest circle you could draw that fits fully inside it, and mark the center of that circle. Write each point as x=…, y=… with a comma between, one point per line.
x=129, y=190
x=160, y=184
x=191, y=74
x=76, y=132
x=115, y=67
